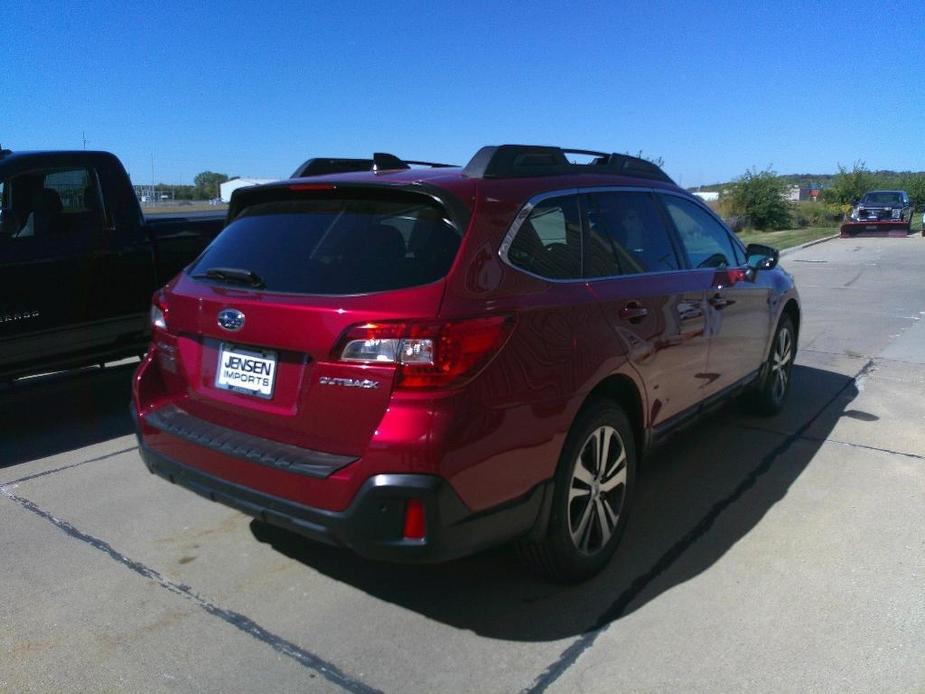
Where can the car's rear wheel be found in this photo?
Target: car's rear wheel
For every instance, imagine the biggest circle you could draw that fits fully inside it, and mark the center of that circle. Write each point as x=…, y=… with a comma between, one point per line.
x=591, y=495
x=769, y=397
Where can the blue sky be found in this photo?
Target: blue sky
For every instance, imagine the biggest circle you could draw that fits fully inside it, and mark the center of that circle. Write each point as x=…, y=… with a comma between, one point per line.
x=254, y=89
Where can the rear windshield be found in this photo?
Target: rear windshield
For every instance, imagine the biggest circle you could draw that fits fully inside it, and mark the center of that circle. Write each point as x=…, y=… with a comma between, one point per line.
x=336, y=246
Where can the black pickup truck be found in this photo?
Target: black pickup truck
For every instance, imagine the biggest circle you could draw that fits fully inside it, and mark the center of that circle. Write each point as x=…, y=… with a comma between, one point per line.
x=79, y=262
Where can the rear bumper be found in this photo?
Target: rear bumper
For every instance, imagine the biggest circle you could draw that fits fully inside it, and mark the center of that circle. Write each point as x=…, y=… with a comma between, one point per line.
x=895, y=228
x=372, y=525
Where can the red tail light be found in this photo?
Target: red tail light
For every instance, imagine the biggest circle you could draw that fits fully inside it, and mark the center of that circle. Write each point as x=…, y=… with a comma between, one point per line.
x=415, y=522
x=428, y=355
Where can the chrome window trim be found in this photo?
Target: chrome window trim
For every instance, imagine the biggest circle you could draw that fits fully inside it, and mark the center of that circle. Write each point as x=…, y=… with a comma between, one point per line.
x=525, y=211
x=518, y=222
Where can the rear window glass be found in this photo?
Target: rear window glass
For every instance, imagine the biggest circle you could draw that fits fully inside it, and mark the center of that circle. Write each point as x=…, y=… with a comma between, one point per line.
x=548, y=243
x=336, y=246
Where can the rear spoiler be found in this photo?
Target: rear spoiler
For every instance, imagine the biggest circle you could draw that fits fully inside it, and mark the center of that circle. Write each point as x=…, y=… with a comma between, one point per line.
x=381, y=161
x=459, y=213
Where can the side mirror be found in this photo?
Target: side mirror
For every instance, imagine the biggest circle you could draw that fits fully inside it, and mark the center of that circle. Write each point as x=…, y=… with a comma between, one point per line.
x=761, y=257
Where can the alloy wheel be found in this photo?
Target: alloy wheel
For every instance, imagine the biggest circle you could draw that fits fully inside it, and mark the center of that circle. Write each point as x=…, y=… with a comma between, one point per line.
x=780, y=364
x=597, y=490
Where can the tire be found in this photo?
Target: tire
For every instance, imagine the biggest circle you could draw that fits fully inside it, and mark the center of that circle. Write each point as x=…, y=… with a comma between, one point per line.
x=771, y=393
x=582, y=536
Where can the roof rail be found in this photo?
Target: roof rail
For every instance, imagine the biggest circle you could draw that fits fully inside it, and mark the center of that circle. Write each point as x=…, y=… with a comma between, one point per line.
x=381, y=161
x=516, y=161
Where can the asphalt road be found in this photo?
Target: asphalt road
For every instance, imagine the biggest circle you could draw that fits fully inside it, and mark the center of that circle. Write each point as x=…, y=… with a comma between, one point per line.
x=783, y=554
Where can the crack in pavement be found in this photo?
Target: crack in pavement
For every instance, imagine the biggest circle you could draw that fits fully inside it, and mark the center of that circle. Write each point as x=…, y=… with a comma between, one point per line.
x=816, y=439
x=239, y=621
x=66, y=467
x=571, y=654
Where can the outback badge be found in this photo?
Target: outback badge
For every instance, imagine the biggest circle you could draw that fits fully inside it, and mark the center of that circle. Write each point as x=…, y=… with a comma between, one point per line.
x=230, y=319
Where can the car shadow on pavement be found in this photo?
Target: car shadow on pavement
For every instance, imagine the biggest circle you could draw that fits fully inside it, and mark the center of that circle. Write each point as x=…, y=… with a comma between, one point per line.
x=696, y=497
x=64, y=411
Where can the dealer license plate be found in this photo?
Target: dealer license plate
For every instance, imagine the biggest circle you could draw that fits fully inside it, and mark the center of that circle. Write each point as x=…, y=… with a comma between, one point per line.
x=246, y=370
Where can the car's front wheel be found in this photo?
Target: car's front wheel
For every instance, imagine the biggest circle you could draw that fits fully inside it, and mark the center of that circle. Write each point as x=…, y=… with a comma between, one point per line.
x=593, y=484
x=774, y=384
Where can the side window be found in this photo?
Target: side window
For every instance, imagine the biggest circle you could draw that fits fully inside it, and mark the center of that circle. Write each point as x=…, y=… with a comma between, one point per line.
x=706, y=241
x=47, y=203
x=548, y=243
x=626, y=235
x=81, y=204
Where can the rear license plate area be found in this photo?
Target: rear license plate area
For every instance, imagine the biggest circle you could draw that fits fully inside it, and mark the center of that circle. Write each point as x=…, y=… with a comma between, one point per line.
x=247, y=370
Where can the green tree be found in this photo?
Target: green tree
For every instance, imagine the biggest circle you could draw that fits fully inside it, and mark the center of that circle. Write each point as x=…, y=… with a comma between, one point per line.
x=914, y=184
x=759, y=196
x=848, y=186
x=207, y=183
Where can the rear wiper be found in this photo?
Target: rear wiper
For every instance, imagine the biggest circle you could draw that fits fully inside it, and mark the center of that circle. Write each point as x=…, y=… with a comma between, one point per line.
x=232, y=274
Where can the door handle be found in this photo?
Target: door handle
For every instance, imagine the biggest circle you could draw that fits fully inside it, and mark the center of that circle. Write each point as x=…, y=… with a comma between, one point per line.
x=719, y=302
x=633, y=312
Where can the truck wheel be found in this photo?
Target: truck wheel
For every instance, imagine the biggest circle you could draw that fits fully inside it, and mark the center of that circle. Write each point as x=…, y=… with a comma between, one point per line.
x=774, y=384
x=592, y=490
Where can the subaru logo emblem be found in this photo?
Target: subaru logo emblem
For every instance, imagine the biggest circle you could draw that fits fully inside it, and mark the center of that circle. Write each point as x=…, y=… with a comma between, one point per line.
x=230, y=319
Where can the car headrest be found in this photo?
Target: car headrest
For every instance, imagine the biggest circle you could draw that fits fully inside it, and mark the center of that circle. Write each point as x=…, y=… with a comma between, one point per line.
x=48, y=200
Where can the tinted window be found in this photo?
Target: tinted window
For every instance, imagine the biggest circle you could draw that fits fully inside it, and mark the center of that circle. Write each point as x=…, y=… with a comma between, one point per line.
x=626, y=235
x=739, y=252
x=548, y=243
x=337, y=246
x=706, y=240
x=52, y=203
x=882, y=198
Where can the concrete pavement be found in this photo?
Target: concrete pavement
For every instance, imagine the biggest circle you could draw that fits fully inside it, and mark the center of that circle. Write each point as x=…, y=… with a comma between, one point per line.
x=782, y=554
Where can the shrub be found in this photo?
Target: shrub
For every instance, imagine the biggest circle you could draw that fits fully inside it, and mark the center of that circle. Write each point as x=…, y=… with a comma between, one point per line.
x=807, y=213
x=759, y=196
x=848, y=186
x=914, y=184
x=738, y=223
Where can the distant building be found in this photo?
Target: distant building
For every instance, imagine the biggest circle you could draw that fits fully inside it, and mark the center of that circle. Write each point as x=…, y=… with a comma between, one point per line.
x=708, y=195
x=228, y=187
x=811, y=192
x=793, y=193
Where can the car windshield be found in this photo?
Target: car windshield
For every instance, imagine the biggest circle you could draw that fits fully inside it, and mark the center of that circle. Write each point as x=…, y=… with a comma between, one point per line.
x=333, y=246
x=882, y=198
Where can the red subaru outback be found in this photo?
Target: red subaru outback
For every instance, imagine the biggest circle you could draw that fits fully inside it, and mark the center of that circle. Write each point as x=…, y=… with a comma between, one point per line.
x=418, y=363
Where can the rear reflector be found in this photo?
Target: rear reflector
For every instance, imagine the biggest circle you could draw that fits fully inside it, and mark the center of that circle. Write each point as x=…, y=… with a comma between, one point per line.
x=415, y=524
